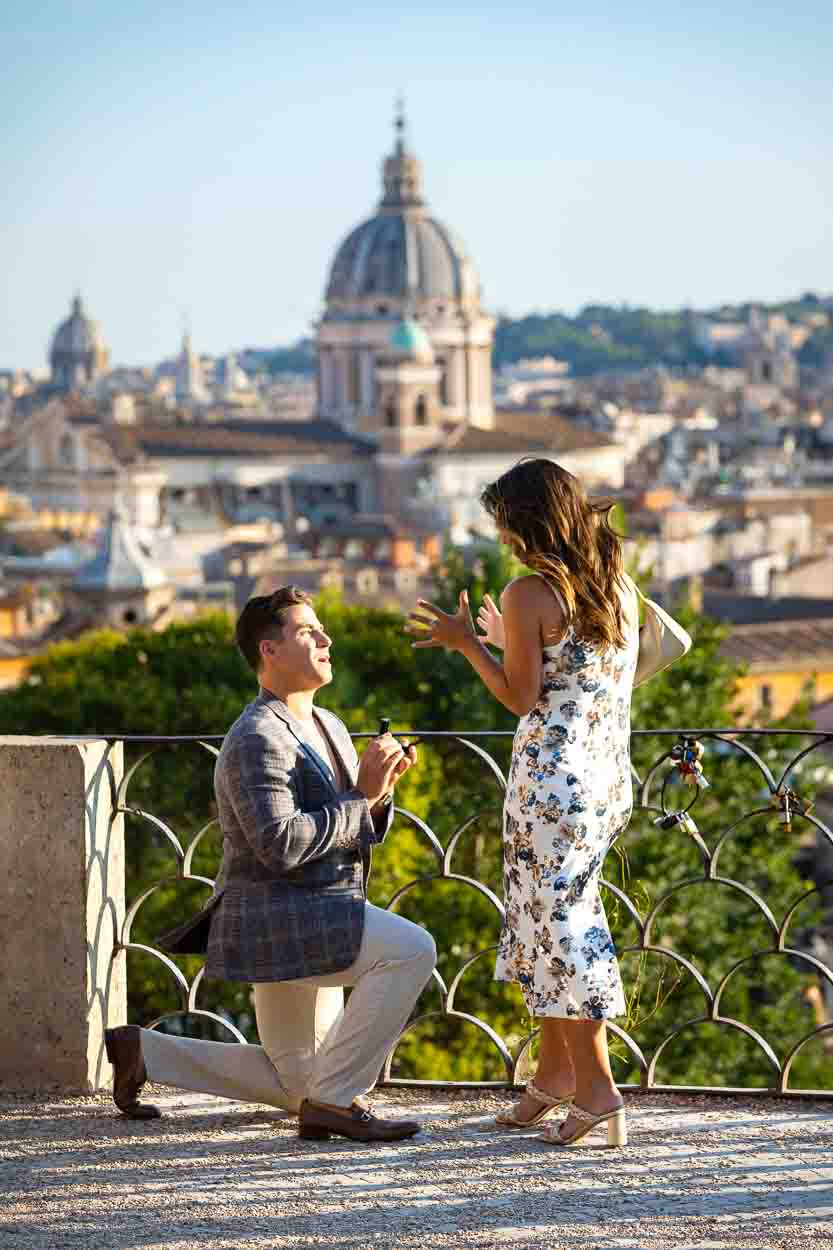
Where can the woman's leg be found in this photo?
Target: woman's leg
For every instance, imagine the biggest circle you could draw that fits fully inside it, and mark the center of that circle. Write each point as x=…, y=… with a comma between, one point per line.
x=596, y=1090
x=554, y=1074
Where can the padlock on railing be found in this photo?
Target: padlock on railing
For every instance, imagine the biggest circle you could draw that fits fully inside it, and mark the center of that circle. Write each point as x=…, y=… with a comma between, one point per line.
x=789, y=804
x=670, y=820
x=686, y=757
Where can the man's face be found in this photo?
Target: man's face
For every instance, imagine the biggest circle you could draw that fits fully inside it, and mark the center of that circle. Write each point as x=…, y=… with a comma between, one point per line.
x=300, y=658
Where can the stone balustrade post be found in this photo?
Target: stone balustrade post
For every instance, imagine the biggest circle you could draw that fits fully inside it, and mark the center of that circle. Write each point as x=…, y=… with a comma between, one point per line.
x=61, y=911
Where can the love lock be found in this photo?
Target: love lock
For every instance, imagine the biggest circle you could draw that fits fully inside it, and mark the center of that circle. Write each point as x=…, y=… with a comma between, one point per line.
x=686, y=757
x=670, y=820
x=788, y=803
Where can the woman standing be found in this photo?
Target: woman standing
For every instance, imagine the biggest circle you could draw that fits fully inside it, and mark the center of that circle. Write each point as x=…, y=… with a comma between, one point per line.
x=571, y=639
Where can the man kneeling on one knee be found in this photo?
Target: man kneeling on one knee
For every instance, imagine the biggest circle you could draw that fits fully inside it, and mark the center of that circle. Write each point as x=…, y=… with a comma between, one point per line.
x=299, y=813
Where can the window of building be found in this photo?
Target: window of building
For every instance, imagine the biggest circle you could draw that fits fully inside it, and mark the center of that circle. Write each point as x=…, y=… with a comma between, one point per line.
x=766, y=370
x=390, y=415
x=421, y=411
x=765, y=695
x=367, y=582
x=66, y=450
x=443, y=367
x=353, y=549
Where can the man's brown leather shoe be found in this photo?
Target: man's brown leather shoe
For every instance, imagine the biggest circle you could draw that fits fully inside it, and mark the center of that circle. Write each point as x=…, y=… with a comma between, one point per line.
x=317, y=1123
x=124, y=1050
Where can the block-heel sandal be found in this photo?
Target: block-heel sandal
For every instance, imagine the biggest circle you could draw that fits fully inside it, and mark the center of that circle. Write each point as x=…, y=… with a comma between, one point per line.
x=507, y=1119
x=617, y=1128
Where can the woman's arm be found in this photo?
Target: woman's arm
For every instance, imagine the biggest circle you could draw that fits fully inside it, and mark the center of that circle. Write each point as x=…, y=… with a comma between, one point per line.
x=517, y=681
x=489, y=619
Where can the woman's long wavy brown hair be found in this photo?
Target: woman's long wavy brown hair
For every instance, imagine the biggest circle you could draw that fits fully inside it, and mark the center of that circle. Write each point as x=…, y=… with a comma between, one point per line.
x=557, y=531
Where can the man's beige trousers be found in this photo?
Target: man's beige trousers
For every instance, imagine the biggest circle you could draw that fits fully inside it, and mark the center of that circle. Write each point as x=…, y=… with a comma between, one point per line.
x=311, y=1045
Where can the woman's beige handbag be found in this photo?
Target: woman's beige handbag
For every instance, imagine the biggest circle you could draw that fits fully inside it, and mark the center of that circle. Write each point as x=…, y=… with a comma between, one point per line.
x=662, y=640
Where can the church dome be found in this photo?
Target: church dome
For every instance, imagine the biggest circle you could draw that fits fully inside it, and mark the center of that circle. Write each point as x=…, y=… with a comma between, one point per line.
x=402, y=252
x=78, y=353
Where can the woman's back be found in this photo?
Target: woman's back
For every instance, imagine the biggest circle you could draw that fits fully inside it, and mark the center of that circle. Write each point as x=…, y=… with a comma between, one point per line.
x=585, y=697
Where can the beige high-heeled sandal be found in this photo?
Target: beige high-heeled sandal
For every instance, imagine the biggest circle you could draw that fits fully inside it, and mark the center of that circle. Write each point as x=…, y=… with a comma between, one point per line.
x=617, y=1129
x=506, y=1119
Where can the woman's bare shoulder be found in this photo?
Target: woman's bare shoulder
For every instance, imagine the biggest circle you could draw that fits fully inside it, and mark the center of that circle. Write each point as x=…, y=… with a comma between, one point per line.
x=530, y=591
x=523, y=589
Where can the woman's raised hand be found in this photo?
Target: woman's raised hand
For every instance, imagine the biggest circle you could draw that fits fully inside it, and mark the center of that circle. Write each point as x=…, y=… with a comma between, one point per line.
x=435, y=628
x=490, y=620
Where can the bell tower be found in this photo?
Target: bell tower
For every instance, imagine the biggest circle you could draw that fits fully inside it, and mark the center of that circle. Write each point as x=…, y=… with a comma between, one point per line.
x=406, y=417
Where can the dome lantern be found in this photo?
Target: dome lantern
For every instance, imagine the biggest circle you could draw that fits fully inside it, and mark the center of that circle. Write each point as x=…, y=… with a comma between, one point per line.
x=401, y=173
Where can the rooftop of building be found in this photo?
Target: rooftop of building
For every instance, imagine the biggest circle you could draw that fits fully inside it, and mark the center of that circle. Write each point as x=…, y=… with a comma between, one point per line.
x=228, y=438
x=373, y=525
x=121, y=564
x=521, y=431
x=796, y=644
x=739, y=609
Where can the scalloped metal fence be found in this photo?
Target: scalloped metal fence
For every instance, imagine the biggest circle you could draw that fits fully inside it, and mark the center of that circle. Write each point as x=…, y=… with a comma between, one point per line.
x=671, y=793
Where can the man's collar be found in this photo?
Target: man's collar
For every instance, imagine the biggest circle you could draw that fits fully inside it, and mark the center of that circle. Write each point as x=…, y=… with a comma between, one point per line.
x=279, y=707
x=278, y=704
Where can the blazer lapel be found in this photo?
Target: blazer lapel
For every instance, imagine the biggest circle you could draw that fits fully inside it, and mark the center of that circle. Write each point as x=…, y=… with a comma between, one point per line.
x=335, y=732
x=297, y=729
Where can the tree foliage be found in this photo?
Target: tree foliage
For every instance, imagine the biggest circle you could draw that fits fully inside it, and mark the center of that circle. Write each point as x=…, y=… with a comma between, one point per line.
x=603, y=337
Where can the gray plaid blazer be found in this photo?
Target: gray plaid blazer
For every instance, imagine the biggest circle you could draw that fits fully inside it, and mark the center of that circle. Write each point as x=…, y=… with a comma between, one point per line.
x=289, y=900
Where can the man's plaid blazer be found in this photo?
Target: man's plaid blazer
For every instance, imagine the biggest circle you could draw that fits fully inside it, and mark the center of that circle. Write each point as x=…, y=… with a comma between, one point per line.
x=289, y=902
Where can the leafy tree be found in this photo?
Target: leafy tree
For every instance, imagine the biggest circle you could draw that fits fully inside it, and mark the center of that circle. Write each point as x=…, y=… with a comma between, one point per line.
x=601, y=337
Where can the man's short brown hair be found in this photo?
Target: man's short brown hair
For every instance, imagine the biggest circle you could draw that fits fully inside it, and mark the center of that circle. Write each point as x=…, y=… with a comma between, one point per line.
x=264, y=616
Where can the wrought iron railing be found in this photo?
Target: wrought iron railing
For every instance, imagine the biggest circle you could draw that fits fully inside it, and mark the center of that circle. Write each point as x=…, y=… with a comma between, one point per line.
x=758, y=972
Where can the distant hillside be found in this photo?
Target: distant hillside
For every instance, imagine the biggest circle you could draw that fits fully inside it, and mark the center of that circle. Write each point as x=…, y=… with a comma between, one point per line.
x=298, y=358
x=602, y=337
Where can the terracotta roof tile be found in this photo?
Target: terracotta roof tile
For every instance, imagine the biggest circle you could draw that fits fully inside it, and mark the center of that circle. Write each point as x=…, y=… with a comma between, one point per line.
x=229, y=438
x=520, y=431
x=805, y=645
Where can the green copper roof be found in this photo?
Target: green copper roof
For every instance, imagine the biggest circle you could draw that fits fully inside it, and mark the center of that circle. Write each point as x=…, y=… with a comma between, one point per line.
x=409, y=339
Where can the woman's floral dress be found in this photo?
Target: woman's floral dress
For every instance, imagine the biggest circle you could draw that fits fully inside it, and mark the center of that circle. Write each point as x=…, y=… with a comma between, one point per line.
x=568, y=798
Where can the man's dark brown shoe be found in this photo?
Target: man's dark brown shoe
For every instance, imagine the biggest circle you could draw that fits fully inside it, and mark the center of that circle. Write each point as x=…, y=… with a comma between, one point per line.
x=124, y=1050
x=317, y=1122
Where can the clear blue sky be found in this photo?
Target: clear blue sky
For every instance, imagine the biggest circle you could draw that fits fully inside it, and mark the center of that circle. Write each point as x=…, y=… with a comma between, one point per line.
x=175, y=160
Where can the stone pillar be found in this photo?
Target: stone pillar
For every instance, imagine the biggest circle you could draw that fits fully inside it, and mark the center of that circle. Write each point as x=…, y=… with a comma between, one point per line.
x=368, y=381
x=61, y=911
x=287, y=508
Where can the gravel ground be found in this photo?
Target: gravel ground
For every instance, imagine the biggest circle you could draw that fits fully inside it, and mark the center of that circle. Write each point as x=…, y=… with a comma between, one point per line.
x=699, y=1174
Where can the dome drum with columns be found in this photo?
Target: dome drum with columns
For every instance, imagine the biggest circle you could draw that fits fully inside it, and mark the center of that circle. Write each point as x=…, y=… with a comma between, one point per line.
x=403, y=266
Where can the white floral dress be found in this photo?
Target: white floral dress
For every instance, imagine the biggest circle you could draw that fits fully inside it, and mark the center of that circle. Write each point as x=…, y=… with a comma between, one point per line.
x=568, y=797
